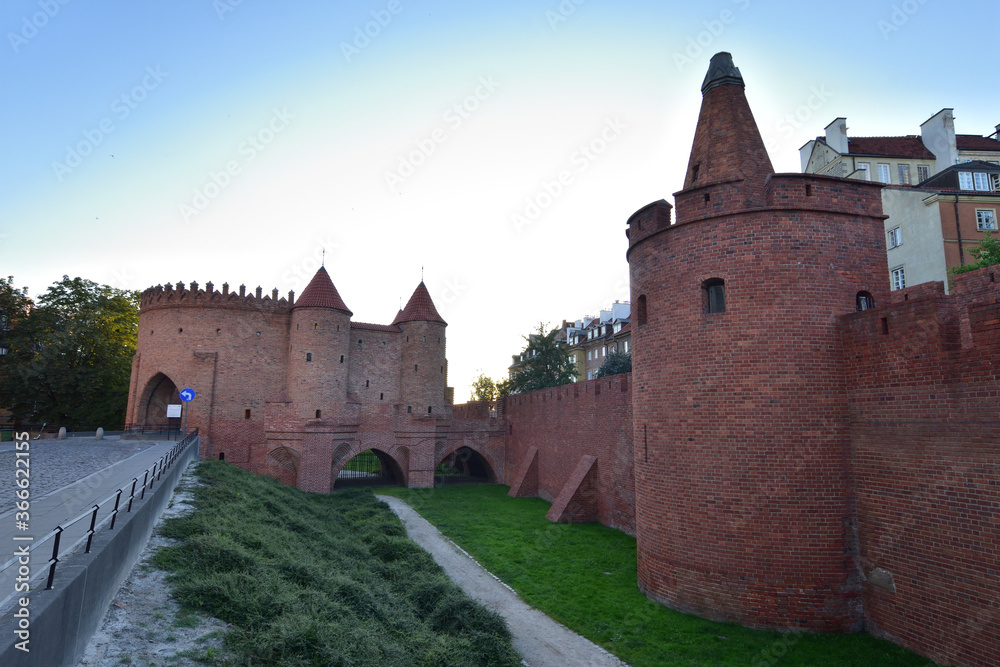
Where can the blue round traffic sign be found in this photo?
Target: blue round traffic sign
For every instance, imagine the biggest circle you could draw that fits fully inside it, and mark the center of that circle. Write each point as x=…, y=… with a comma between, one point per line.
x=187, y=395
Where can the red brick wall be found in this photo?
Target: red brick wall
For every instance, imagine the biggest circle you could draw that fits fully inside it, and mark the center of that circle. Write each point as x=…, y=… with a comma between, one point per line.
x=566, y=423
x=925, y=428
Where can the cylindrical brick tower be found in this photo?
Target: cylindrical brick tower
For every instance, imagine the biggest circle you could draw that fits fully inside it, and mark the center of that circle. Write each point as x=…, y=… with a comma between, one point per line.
x=319, y=345
x=743, y=503
x=423, y=373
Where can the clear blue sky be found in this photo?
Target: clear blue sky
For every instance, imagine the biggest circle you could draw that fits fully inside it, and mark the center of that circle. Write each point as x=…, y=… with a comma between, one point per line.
x=153, y=142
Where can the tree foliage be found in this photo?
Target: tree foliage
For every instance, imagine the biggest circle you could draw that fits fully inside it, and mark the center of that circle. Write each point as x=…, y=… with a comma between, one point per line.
x=70, y=358
x=546, y=363
x=484, y=388
x=615, y=363
x=987, y=253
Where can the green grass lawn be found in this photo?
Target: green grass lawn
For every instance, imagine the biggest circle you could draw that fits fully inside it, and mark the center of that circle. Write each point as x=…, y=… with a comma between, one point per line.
x=311, y=579
x=584, y=576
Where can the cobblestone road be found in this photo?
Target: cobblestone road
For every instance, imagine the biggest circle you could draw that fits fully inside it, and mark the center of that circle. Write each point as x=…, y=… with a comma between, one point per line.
x=56, y=463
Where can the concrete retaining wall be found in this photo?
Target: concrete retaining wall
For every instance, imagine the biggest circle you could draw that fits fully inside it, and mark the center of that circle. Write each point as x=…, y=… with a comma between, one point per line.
x=64, y=618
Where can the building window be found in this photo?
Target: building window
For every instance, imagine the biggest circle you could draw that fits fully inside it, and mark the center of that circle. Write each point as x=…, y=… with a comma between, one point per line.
x=883, y=173
x=317, y=414
x=865, y=301
x=341, y=358
x=965, y=180
x=626, y=347
x=866, y=171
x=898, y=278
x=986, y=220
x=360, y=342
x=409, y=409
x=895, y=237
x=246, y=414
x=923, y=173
x=982, y=181
x=640, y=310
x=904, y=174
x=415, y=368
x=366, y=382
x=429, y=408
x=714, y=290
x=604, y=351
x=309, y=356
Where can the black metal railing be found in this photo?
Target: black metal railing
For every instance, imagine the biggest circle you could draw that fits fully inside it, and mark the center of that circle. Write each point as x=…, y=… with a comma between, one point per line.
x=151, y=475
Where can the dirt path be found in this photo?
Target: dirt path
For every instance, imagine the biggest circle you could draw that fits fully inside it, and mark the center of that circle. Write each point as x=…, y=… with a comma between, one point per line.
x=541, y=641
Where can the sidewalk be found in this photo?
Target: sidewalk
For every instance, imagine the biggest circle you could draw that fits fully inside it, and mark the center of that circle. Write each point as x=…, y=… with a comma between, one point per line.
x=64, y=504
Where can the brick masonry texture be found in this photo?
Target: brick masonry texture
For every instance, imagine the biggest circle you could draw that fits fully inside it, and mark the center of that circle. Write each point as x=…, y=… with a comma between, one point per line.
x=788, y=463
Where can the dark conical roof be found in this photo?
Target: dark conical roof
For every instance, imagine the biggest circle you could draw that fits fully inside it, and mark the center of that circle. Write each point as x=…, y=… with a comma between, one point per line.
x=727, y=143
x=320, y=293
x=420, y=308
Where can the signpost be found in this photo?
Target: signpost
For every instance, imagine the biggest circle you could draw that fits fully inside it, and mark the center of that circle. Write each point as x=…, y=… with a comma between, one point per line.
x=187, y=396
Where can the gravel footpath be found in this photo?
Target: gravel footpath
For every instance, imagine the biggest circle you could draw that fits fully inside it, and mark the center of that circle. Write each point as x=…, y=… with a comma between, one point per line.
x=541, y=641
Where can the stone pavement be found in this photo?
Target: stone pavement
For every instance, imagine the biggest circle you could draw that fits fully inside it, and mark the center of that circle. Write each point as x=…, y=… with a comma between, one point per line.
x=67, y=477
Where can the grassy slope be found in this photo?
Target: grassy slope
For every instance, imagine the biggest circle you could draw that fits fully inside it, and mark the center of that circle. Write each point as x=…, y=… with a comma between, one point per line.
x=309, y=579
x=584, y=575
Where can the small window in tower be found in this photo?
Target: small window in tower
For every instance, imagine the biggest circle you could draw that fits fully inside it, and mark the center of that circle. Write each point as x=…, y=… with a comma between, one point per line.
x=315, y=325
x=180, y=330
x=409, y=409
x=694, y=173
x=341, y=358
x=425, y=339
x=640, y=311
x=359, y=342
x=442, y=370
x=246, y=414
x=309, y=356
x=708, y=197
x=338, y=328
x=415, y=367
x=218, y=331
x=714, y=290
x=381, y=397
x=317, y=414
x=809, y=190
x=222, y=456
x=366, y=382
x=429, y=408
x=865, y=301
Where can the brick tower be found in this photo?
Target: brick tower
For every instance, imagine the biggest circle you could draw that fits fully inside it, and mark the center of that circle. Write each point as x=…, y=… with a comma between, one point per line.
x=743, y=505
x=423, y=370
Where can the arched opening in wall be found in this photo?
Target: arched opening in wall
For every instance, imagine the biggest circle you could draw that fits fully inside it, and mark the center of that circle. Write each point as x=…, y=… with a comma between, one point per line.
x=464, y=466
x=864, y=301
x=283, y=465
x=160, y=392
x=369, y=468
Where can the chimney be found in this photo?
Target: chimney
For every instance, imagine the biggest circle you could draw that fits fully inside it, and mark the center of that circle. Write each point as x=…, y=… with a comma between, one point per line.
x=836, y=136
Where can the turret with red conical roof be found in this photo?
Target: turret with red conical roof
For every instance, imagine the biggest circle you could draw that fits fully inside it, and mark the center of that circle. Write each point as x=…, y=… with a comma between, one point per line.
x=319, y=345
x=423, y=372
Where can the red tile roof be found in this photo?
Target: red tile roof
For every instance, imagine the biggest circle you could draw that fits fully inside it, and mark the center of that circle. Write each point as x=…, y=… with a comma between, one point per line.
x=320, y=293
x=974, y=142
x=911, y=147
x=364, y=326
x=420, y=308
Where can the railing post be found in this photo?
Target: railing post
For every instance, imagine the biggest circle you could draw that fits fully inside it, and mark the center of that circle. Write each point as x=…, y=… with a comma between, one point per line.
x=145, y=480
x=161, y=467
x=55, y=558
x=131, y=495
x=114, y=512
x=90, y=533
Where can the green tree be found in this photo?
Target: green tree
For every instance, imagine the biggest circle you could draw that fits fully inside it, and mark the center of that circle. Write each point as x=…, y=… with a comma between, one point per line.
x=484, y=388
x=986, y=252
x=503, y=388
x=546, y=363
x=70, y=359
x=615, y=363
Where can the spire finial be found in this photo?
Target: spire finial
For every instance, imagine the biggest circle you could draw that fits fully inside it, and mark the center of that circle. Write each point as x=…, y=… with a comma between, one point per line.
x=421, y=273
x=323, y=261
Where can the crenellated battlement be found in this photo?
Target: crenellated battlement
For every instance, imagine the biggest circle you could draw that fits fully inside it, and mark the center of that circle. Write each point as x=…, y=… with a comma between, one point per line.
x=179, y=296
